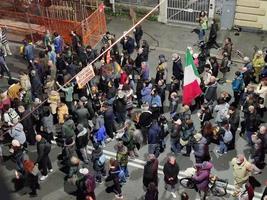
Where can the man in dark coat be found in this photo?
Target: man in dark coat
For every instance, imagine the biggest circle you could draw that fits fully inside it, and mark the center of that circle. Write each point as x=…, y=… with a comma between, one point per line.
x=171, y=171
x=151, y=171
x=138, y=33
x=213, y=35
x=109, y=120
x=81, y=115
x=211, y=90
x=28, y=126
x=43, y=160
x=145, y=120
x=128, y=44
x=153, y=139
x=177, y=68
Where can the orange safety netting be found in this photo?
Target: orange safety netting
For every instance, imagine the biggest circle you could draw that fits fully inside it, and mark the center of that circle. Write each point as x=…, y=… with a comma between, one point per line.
x=91, y=28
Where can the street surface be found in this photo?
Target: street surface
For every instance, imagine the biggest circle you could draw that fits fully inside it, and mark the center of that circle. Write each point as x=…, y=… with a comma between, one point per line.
x=168, y=40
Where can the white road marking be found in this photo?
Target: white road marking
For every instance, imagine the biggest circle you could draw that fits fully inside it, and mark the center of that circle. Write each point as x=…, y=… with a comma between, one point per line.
x=137, y=163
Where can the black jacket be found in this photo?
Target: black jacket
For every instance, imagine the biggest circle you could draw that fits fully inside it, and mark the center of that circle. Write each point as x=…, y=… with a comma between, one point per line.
x=82, y=139
x=177, y=69
x=120, y=105
x=171, y=171
x=151, y=172
x=43, y=149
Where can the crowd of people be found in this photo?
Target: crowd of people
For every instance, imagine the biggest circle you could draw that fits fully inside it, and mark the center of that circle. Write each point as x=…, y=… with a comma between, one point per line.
x=46, y=107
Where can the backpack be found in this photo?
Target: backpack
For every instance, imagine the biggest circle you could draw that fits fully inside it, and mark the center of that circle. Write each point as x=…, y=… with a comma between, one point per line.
x=120, y=174
x=227, y=136
x=90, y=184
x=12, y=114
x=101, y=160
x=223, y=112
x=237, y=84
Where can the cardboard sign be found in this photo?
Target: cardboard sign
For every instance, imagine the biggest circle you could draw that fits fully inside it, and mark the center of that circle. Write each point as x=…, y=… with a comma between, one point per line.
x=85, y=75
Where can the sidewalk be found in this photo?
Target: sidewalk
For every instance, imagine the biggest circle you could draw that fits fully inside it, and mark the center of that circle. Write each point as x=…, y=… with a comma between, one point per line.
x=176, y=38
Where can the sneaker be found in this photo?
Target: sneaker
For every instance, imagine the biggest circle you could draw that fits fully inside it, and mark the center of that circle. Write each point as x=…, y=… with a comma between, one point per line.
x=118, y=196
x=258, y=172
x=53, y=142
x=42, y=178
x=225, y=152
x=220, y=153
x=173, y=195
x=50, y=170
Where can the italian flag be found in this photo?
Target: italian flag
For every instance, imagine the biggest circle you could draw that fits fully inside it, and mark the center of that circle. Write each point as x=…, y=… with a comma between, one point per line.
x=191, y=88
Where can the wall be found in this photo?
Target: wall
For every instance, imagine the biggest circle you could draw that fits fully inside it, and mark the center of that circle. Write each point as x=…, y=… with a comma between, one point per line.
x=251, y=14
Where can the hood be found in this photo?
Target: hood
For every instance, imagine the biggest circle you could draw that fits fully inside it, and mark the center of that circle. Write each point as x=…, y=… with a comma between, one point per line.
x=82, y=133
x=203, y=140
x=206, y=165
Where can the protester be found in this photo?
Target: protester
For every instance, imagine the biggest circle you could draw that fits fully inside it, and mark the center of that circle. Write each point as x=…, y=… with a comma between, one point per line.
x=171, y=171
x=43, y=160
x=151, y=171
x=135, y=103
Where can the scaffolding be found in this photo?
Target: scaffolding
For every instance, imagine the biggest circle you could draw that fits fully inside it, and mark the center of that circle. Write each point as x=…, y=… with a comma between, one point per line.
x=86, y=17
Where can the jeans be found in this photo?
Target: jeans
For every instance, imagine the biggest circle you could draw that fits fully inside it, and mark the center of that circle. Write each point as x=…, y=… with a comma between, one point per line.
x=223, y=147
x=45, y=164
x=154, y=149
x=201, y=34
x=173, y=107
x=84, y=155
x=121, y=117
x=126, y=173
x=248, y=135
x=19, y=163
x=175, y=147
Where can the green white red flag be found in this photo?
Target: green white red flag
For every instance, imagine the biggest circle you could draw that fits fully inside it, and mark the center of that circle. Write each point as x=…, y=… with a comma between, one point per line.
x=191, y=87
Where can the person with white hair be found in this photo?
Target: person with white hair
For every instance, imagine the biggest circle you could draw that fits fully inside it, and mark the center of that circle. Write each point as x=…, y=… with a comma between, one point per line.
x=17, y=132
x=247, y=71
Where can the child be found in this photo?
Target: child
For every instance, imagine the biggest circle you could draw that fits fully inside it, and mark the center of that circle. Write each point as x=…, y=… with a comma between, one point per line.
x=122, y=158
x=99, y=160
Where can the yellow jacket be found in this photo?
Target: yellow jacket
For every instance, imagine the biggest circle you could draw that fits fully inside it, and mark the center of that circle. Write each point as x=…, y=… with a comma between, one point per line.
x=258, y=62
x=13, y=91
x=62, y=110
x=53, y=99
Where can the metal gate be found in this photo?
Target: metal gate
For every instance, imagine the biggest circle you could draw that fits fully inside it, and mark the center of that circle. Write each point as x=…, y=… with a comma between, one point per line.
x=185, y=11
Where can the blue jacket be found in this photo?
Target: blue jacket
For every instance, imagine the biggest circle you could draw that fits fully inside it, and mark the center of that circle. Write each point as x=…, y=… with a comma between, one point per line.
x=146, y=94
x=155, y=100
x=154, y=133
x=29, y=52
x=237, y=84
x=58, y=43
x=100, y=134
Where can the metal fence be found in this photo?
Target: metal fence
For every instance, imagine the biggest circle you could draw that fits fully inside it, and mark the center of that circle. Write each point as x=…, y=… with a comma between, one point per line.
x=185, y=11
x=147, y=3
